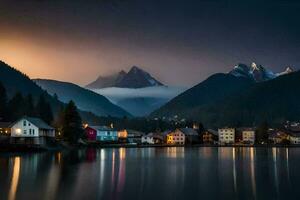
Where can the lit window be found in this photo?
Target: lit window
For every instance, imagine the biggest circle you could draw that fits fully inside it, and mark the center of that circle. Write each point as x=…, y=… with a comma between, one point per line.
x=18, y=131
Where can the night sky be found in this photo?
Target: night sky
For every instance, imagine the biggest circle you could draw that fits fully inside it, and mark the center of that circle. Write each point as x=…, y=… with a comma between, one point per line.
x=179, y=42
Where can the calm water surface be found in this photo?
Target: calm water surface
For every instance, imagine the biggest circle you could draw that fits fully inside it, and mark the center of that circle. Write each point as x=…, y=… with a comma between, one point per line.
x=153, y=173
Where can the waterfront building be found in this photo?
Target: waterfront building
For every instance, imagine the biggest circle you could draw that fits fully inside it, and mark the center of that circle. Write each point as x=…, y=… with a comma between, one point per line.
x=210, y=136
x=293, y=131
x=176, y=137
x=101, y=133
x=248, y=135
x=134, y=136
x=5, y=129
x=31, y=130
x=191, y=135
x=122, y=134
x=152, y=138
x=226, y=136
x=278, y=136
x=91, y=133
x=294, y=137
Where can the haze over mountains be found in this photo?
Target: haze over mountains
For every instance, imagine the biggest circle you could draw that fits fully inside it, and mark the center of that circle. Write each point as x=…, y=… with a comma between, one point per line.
x=245, y=96
x=137, y=91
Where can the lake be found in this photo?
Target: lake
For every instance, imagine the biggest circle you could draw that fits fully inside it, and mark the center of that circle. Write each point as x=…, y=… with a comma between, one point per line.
x=152, y=173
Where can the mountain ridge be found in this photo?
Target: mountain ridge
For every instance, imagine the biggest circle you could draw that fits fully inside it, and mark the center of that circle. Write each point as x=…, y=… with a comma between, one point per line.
x=217, y=102
x=85, y=99
x=134, y=78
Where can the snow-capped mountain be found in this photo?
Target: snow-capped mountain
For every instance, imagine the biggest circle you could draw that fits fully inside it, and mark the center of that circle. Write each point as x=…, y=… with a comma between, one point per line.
x=135, y=78
x=257, y=73
x=288, y=70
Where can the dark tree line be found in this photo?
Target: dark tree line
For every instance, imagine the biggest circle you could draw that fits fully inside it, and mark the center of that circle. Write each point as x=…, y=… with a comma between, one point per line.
x=19, y=106
x=69, y=123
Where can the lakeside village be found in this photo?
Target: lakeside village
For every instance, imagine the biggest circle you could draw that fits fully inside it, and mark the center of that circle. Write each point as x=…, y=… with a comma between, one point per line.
x=30, y=131
x=25, y=125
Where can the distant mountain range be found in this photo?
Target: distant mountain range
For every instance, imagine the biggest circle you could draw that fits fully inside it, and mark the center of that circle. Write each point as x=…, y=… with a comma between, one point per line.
x=135, y=78
x=245, y=96
x=256, y=72
x=85, y=99
x=15, y=81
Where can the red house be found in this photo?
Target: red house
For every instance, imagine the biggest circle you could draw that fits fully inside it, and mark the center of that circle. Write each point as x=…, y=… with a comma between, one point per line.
x=90, y=133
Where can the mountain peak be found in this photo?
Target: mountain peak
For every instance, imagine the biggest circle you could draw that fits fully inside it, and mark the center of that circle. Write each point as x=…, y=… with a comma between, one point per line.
x=254, y=72
x=135, y=78
x=254, y=66
x=288, y=70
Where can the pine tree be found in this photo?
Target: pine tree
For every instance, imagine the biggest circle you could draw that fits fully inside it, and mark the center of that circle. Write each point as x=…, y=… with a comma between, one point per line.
x=29, y=106
x=3, y=103
x=16, y=107
x=43, y=110
x=58, y=122
x=72, y=124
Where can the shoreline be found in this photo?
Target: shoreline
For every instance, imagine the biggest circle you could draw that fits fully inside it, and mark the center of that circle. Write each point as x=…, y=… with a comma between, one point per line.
x=26, y=148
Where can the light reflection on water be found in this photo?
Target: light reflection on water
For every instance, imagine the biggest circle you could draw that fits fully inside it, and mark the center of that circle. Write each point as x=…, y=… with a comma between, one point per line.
x=151, y=173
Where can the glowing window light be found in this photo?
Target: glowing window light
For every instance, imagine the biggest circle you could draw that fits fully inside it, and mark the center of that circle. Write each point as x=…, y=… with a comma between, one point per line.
x=18, y=131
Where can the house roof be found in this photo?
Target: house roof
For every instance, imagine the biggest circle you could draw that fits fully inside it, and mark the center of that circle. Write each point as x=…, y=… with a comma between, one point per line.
x=101, y=128
x=154, y=135
x=213, y=132
x=294, y=134
x=245, y=129
x=165, y=133
x=276, y=134
x=189, y=131
x=37, y=122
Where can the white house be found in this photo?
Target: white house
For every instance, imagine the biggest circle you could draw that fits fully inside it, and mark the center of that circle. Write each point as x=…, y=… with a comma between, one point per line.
x=152, y=138
x=148, y=139
x=294, y=138
x=31, y=130
x=248, y=136
x=226, y=135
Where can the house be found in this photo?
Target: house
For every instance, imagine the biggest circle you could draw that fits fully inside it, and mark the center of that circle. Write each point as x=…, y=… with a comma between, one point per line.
x=210, y=136
x=176, y=137
x=31, y=130
x=122, y=135
x=5, y=129
x=90, y=133
x=294, y=137
x=165, y=135
x=278, y=136
x=226, y=135
x=248, y=135
x=293, y=131
x=134, y=136
x=152, y=138
x=191, y=135
x=103, y=133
